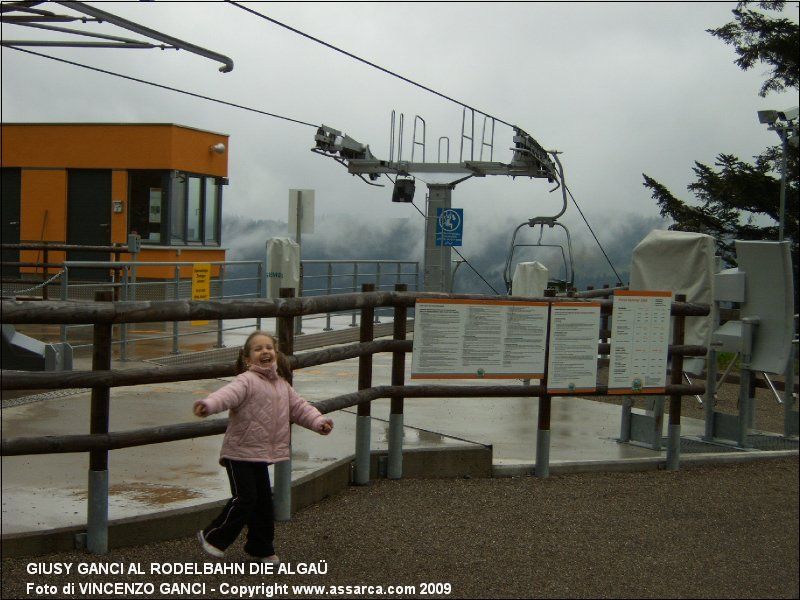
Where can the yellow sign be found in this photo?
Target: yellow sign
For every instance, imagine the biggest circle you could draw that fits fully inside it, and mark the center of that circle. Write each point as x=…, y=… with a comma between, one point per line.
x=201, y=285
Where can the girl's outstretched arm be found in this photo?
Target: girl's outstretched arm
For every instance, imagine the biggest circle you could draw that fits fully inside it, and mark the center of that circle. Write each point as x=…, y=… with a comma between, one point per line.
x=303, y=413
x=225, y=398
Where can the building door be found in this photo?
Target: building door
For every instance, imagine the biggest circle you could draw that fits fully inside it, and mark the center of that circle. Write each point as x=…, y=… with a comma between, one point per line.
x=89, y=219
x=11, y=190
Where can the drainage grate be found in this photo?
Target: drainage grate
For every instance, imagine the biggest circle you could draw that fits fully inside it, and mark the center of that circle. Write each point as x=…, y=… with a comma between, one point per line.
x=215, y=355
x=756, y=442
x=772, y=442
x=44, y=396
x=691, y=446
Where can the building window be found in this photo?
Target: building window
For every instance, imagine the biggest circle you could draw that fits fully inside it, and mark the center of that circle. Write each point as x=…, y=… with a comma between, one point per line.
x=195, y=209
x=210, y=211
x=177, y=209
x=193, y=215
x=147, y=201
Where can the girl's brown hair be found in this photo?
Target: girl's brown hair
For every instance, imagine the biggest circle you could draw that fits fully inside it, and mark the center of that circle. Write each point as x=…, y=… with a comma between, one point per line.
x=282, y=363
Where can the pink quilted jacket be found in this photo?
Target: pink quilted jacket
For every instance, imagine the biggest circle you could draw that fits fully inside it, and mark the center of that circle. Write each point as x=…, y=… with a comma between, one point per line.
x=261, y=404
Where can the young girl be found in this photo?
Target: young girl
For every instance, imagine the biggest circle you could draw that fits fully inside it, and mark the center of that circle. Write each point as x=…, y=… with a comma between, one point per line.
x=261, y=404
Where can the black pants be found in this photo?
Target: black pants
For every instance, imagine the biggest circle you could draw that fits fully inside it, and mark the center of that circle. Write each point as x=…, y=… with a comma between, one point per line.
x=251, y=505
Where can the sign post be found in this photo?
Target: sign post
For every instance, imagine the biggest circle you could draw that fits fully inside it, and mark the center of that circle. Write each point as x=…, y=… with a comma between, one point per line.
x=201, y=285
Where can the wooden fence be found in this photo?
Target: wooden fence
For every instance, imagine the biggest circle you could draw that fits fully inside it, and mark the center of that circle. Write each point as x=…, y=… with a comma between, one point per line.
x=104, y=313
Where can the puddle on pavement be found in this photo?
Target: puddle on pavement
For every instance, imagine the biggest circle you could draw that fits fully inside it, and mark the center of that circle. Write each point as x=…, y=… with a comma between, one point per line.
x=148, y=493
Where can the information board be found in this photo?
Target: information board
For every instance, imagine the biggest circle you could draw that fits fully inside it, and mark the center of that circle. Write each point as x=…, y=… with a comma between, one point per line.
x=473, y=339
x=201, y=285
x=639, y=342
x=574, y=336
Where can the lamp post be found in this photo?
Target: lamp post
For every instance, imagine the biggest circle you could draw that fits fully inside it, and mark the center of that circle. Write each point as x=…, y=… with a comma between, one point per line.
x=782, y=206
x=784, y=123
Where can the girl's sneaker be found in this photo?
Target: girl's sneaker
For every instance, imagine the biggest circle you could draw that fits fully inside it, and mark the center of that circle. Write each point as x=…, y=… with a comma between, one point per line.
x=208, y=548
x=267, y=559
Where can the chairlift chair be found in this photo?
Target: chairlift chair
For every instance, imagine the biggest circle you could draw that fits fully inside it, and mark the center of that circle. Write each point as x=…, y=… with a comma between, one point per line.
x=562, y=285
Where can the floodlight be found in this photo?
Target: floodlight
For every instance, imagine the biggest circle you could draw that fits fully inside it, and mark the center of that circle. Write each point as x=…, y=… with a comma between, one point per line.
x=771, y=116
x=767, y=116
x=403, y=190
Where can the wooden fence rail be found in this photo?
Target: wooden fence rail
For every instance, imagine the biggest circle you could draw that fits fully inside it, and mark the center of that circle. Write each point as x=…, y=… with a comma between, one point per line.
x=61, y=313
x=169, y=433
x=26, y=380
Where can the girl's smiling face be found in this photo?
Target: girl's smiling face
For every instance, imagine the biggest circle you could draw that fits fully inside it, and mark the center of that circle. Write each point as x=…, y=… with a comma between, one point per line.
x=262, y=351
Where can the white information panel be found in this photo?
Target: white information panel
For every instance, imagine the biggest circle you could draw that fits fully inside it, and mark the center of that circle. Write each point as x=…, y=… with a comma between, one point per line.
x=474, y=339
x=639, y=342
x=574, y=336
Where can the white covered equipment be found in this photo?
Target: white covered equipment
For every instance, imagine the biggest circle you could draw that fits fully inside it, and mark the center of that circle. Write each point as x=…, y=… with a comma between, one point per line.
x=283, y=266
x=530, y=279
x=683, y=263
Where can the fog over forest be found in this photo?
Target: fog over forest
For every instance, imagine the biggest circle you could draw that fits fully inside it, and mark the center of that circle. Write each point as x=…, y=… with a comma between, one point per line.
x=344, y=237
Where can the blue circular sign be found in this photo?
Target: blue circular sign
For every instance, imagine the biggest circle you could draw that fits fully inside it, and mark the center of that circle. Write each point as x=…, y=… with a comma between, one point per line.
x=449, y=220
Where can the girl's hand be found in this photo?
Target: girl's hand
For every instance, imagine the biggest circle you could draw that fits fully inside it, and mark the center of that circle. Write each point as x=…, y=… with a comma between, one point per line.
x=326, y=427
x=200, y=410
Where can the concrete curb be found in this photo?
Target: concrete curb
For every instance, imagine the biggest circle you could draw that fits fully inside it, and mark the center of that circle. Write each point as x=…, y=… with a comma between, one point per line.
x=641, y=464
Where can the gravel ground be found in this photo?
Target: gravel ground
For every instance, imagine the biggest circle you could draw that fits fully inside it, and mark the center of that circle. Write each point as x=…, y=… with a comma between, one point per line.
x=713, y=532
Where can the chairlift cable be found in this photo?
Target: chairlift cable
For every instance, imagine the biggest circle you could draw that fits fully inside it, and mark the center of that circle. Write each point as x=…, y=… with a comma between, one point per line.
x=366, y=62
x=474, y=269
x=619, y=279
x=165, y=87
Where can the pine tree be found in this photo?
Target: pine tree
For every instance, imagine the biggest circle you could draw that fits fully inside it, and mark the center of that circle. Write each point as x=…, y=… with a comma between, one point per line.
x=735, y=198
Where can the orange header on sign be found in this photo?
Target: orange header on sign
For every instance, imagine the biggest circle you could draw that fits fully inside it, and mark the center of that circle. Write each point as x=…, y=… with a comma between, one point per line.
x=577, y=304
x=467, y=301
x=643, y=293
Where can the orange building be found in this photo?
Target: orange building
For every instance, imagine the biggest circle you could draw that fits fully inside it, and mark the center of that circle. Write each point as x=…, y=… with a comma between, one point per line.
x=96, y=183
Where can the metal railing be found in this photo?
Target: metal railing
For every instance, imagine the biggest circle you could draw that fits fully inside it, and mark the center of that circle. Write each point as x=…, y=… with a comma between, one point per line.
x=345, y=276
x=43, y=264
x=129, y=288
x=235, y=280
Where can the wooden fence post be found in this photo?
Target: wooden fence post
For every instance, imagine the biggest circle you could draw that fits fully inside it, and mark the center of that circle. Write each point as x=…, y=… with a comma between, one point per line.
x=283, y=470
x=364, y=420
x=97, y=510
x=394, y=468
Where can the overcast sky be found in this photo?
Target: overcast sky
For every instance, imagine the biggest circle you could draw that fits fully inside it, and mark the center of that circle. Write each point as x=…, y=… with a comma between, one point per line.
x=621, y=89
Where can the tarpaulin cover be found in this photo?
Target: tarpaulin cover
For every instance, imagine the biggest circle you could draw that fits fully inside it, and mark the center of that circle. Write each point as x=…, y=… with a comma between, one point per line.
x=283, y=266
x=530, y=279
x=683, y=263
